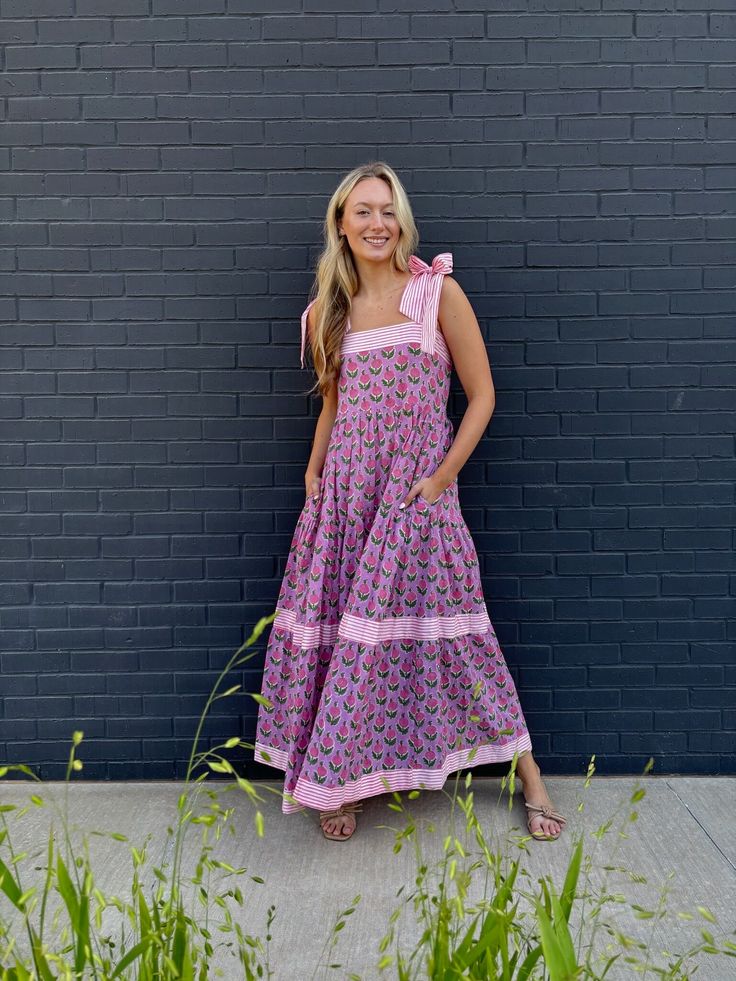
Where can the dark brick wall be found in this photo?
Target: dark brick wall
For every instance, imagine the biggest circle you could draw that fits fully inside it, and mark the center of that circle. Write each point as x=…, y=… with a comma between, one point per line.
x=165, y=166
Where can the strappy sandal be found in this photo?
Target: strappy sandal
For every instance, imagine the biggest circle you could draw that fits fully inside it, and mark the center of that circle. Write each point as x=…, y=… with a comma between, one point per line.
x=342, y=810
x=546, y=811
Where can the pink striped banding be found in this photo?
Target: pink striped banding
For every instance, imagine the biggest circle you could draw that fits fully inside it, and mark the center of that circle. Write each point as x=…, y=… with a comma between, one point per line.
x=368, y=632
x=412, y=628
x=392, y=336
x=370, y=784
x=420, y=303
x=303, y=635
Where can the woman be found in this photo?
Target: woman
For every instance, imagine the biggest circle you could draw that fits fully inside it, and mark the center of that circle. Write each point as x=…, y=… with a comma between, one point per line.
x=383, y=671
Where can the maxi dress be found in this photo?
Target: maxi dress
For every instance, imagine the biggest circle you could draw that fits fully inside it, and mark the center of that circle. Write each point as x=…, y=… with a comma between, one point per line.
x=382, y=669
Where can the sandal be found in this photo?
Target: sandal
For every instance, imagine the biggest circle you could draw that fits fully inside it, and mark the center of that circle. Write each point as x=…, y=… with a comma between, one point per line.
x=547, y=811
x=342, y=810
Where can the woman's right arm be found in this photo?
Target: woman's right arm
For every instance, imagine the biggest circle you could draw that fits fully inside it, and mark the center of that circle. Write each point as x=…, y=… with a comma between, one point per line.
x=322, y=433
x=321, y=441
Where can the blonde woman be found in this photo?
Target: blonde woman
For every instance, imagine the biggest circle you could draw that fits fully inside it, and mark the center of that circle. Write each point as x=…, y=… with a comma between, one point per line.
x=383, y=671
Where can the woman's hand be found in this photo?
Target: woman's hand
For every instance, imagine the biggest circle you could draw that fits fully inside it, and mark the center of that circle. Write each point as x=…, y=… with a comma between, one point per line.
x=430, y=489
x=313, y=485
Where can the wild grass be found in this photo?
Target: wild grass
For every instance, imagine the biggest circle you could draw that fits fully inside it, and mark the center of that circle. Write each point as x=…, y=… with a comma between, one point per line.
x=171, y=924
x=519, y=928
x=478, y=912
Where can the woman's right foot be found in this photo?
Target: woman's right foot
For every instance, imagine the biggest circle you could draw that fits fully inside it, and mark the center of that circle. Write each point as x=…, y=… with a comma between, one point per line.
x=343, y=825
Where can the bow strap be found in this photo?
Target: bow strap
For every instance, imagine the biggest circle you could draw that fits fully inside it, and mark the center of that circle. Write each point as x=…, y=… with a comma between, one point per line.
x=545, y=810
x=421, y=301
x=353, y=807
x=304, y=328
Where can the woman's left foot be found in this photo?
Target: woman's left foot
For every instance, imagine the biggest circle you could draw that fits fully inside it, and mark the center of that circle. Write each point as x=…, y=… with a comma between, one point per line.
x=546, y=815
x=543, y=821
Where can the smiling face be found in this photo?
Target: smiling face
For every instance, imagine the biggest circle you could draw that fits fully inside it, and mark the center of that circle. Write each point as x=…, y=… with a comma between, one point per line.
x=369, y=220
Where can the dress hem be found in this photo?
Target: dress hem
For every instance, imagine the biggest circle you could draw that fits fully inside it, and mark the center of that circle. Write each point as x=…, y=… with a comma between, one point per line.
x=312, y=795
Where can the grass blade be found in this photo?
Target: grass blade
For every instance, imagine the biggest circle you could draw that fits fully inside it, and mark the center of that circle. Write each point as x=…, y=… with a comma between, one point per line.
x=571, y=880
x=10, y=887
x=552, y=954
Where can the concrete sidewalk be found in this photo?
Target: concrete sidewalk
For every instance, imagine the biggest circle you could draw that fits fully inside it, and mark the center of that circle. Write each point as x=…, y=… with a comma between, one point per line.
x=685, y=834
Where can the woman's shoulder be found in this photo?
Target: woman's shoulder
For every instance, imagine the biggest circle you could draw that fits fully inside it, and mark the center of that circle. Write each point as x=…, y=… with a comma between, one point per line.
x=451, y=287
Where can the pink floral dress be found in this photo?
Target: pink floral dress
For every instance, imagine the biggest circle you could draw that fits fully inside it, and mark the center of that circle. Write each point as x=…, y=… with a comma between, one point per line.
x=382, y=669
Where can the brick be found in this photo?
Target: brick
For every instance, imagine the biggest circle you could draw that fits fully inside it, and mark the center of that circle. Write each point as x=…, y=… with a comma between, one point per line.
x=690, y=675
x=586, y=698
x=67, y=547
x=156, y=616
x=694, y=585
x=684, y=721
x=653, y=743
x=622, y=720
x=169, y=568
x=555, y=721
x=653, y=653
x=131, y=547
x=691, y=630
x=131, y=453
x=173, y=523
x=137, y=592
x=96, y=569
x=202, y=592
x=600, y=743
x=667, y=698
x=142, y=638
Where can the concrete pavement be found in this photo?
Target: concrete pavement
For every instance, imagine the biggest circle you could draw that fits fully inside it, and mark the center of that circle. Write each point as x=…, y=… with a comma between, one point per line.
x=684, y=837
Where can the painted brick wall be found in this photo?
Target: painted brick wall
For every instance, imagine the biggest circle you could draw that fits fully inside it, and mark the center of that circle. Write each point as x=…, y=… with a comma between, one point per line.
x=165, y=166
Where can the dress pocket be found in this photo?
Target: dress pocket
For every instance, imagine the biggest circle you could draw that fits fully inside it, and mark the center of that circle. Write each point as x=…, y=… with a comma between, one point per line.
x=445, y=510
x=424, y=503
x=307, y=518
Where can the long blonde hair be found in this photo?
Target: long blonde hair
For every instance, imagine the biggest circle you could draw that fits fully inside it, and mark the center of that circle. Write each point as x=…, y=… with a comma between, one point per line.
x=336, y=279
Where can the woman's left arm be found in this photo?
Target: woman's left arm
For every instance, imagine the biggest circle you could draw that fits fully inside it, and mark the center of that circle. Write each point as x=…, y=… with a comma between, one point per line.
x=465, y=343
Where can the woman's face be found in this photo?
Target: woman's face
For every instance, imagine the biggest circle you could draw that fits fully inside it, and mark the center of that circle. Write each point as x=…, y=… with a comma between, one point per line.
x=369, y=220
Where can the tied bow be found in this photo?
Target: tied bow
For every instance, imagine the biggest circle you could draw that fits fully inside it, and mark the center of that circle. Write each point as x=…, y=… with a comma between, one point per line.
x=442, y=263
x=422, y=297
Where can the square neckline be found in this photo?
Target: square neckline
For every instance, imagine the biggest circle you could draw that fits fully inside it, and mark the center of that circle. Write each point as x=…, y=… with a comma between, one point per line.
x=370, y=330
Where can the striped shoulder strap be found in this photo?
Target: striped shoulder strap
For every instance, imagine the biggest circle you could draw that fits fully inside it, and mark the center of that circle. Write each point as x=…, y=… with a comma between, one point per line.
x=421, y=301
